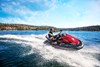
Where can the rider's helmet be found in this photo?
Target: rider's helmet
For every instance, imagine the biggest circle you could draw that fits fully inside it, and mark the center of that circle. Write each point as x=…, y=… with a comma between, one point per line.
x=52, y=29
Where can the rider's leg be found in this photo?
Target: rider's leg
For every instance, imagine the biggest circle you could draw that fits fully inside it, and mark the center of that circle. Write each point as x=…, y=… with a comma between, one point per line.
x=54, y=43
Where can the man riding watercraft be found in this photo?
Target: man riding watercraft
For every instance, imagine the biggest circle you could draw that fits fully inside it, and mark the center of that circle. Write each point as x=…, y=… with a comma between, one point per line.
x=52, y=37
x=63, y=40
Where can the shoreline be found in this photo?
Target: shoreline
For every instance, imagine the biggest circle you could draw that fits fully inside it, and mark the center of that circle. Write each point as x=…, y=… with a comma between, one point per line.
x=33, y=27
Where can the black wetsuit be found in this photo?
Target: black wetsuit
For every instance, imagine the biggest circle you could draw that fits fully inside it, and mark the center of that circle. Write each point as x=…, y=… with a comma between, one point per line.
x=52, y=35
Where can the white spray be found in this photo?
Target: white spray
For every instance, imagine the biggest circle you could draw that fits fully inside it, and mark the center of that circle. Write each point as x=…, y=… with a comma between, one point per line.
x=81, y=58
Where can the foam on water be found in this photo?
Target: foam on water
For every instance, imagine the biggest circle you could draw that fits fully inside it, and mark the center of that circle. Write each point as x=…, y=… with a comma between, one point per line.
x=82, y=58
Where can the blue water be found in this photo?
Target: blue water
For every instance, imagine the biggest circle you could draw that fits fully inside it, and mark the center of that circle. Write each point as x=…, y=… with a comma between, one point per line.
x=26, y=49
x=25, y=32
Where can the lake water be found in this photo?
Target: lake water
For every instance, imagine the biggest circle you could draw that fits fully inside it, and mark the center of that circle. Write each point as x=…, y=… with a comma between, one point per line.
x=26, y=49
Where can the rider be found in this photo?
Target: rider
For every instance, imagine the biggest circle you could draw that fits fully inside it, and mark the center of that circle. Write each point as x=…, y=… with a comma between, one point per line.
x=52, y=36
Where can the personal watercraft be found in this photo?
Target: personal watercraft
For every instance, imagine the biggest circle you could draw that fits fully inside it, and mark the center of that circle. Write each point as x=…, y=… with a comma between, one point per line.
x=65, y=41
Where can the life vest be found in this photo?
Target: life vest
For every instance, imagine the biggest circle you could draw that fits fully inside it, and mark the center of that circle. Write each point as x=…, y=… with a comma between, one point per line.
x=50, y=34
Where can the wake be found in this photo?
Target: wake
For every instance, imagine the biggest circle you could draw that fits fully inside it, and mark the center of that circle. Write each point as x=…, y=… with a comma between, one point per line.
x=86, y=57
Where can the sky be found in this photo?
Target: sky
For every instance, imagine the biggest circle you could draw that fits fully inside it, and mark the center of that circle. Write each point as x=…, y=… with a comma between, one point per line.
x=57, y=13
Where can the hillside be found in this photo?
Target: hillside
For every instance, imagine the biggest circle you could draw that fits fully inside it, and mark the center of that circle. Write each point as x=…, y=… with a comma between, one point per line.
x=88, y=28
x=22, y=27
x=31, y=27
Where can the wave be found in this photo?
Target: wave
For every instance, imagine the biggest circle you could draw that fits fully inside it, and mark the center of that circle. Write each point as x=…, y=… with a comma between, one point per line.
x=86, y=57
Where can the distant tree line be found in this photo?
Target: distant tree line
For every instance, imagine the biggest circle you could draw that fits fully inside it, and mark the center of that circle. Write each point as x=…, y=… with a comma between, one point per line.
x=4, y=26
x=89, y=28
x=22, y=27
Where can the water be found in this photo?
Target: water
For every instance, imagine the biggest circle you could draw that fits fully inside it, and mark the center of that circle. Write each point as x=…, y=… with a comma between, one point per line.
x=26, y=49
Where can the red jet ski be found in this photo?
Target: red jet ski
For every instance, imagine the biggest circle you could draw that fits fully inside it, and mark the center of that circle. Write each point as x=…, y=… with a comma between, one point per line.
x=66, y=41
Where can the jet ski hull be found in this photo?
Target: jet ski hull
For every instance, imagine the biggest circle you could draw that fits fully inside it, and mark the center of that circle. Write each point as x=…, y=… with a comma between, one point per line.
x=66, y=46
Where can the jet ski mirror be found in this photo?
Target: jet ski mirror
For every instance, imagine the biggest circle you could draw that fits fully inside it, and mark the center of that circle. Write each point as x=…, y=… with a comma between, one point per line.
x=60, y=30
